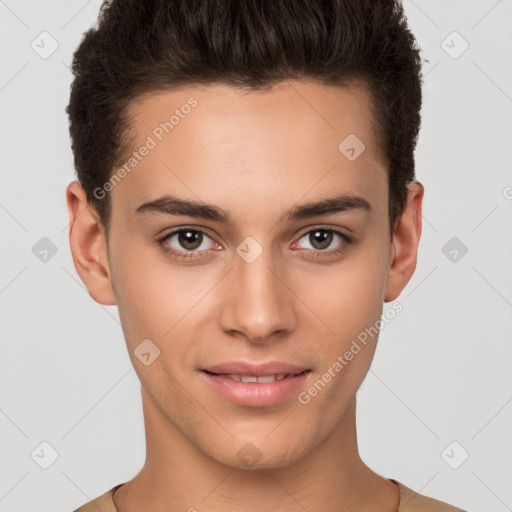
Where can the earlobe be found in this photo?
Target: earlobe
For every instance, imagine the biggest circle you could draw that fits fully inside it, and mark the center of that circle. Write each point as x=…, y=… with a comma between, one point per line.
x=405, y=242
x=88, y=246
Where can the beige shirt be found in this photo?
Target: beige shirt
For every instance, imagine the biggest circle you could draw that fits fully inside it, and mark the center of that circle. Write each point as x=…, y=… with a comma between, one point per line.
x=410, y=501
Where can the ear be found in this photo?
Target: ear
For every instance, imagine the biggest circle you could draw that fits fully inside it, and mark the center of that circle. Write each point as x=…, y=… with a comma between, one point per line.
x=88, y=246
x=404, y=245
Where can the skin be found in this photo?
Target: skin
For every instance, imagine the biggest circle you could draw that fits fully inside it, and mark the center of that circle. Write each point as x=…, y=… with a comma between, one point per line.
x=256, y=155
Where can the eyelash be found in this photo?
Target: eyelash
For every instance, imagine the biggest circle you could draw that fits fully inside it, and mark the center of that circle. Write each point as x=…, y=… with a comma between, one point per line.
x=317, y=253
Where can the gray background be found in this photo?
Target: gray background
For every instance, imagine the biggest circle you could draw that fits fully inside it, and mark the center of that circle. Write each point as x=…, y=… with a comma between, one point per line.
x=440, y=386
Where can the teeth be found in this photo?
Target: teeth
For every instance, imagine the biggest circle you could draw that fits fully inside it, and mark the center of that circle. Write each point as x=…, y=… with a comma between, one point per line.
x=248, y=378
x=252, y=378
x=268, y=378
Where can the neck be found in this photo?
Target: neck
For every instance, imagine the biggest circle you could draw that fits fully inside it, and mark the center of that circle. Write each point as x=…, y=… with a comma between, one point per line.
x=178, y=476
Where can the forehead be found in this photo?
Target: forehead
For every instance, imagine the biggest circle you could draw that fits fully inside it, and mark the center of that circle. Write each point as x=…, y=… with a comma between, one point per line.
x=218, y=141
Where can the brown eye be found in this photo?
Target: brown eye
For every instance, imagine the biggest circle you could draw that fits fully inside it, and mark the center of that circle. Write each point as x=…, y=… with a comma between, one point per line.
x=322, y=242
x=190, y=239
x=320, y=238
x=187, y=242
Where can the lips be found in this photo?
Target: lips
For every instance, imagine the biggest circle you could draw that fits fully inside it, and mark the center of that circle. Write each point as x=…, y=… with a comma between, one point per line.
x=256, y=385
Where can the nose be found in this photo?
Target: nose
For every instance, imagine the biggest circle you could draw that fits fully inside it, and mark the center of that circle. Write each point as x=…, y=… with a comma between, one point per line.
x=257, y=303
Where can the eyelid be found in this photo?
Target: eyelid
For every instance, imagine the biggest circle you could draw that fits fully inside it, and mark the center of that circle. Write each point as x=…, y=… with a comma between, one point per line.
x=336, y=230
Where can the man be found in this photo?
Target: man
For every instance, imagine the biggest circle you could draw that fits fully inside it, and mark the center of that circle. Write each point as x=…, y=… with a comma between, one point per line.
x=246, y=197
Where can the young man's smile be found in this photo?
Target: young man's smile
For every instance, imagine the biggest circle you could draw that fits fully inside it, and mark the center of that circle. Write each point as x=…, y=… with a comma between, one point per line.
x=257, y=385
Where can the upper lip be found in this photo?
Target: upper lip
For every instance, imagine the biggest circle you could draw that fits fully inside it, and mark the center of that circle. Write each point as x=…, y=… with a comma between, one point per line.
x=256, y=370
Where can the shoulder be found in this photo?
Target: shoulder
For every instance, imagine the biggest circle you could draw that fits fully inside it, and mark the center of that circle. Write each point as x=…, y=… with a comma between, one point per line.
x=412, y=501
x=105, y=503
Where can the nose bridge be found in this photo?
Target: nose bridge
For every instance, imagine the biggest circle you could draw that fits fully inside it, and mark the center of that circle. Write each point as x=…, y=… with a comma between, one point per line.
x=257, y=302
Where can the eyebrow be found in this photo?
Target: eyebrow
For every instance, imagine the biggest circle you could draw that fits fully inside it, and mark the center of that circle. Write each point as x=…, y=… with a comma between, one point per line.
x=172, y=205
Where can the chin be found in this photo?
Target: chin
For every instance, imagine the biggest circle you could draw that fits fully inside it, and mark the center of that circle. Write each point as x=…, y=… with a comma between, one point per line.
x=259, y=456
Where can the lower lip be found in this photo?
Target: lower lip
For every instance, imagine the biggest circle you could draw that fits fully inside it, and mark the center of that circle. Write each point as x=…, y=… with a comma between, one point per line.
x=256, y=394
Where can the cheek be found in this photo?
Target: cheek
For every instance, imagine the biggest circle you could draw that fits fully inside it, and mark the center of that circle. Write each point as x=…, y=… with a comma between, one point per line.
x=163, y=302
x=349, y=296
x=348, y=299
x=151, y=296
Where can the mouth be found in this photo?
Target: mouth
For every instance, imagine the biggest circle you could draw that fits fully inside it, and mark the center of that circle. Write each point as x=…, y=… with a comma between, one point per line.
x=256, y=390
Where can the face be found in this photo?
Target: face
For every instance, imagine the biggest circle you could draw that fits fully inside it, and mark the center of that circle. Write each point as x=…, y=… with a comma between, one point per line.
x=262, y=268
